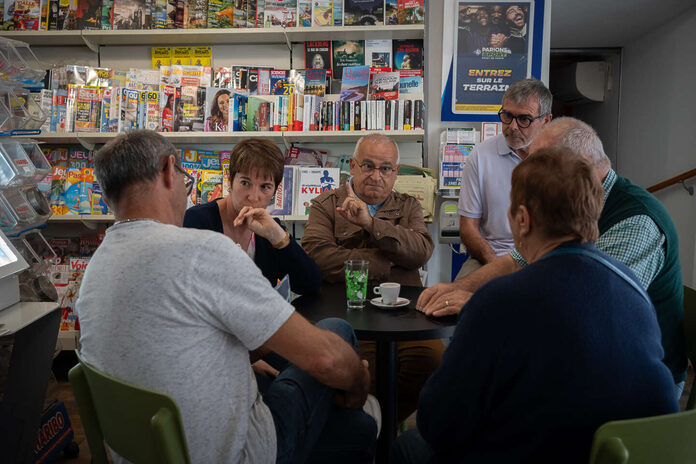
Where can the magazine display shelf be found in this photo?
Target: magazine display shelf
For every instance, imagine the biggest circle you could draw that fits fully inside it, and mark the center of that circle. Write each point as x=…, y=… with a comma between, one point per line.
x=90, y=139
x=89, y=219
x=95, y=38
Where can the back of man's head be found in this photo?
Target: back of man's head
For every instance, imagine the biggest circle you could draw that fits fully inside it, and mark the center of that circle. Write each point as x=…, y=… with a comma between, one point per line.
x=575, y=135
x=136, y=157
x=526, y=89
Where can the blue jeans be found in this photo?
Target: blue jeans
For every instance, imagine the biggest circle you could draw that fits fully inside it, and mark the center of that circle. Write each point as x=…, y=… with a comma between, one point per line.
x=309, y=428
x=411, y=448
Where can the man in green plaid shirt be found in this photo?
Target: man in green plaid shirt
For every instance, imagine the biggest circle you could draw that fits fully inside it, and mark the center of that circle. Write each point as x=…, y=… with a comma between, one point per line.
x=634, y=228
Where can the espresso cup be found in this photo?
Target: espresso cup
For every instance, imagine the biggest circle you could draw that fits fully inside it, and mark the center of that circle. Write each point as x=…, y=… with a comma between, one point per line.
x=389, y=292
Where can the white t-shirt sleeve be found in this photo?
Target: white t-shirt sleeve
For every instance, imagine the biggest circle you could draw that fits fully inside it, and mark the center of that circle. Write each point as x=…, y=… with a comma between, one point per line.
x=470, y=191
x=233, y=294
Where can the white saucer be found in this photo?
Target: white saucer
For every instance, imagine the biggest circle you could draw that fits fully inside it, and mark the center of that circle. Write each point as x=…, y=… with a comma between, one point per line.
x=397, y=304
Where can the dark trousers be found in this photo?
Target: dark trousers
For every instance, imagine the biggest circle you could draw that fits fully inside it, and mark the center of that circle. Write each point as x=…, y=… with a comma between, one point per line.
x=309, y=428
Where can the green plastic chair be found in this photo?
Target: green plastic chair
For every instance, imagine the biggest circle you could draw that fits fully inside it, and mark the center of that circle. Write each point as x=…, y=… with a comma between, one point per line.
x=690, y=333
x=140, y=425
x=661, y=439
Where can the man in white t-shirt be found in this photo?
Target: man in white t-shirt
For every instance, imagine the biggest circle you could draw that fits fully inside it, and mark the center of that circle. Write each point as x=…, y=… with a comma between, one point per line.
x=182, y=311
x=484, y=197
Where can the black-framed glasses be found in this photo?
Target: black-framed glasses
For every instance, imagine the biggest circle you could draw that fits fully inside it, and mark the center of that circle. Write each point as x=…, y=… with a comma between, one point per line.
x=369, y=168
x=189, y=182
x=523, y=120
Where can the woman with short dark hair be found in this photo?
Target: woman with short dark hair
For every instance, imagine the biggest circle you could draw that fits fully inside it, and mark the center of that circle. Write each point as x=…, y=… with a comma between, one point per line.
x=256, y=169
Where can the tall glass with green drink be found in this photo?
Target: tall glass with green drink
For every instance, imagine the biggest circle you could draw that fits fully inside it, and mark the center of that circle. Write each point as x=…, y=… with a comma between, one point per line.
x=356, y=282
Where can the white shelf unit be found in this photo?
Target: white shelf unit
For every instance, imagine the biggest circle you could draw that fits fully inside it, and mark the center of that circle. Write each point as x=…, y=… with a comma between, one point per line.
x=96, y=38
x=230, y=137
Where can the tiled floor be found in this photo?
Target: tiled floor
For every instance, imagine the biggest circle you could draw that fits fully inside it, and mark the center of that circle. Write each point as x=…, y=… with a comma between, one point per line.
x=60, y=389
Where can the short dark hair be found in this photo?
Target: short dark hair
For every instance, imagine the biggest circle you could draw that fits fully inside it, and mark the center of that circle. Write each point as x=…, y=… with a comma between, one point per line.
x=524, y=89
x=561, y=192
x=260, y=154
x=131, y=158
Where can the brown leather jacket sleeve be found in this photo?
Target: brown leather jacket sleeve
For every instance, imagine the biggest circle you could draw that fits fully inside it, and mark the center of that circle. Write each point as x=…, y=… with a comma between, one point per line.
x=396, y=247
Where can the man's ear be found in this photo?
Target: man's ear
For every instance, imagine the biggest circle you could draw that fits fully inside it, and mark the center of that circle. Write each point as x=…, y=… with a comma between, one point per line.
x=169, y=172
x=548, y=118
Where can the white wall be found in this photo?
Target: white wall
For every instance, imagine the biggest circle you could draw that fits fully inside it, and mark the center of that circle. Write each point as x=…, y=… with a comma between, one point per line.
x=657, y=137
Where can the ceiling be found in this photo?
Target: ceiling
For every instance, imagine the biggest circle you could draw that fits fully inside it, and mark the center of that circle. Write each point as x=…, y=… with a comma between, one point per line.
x=609, y=23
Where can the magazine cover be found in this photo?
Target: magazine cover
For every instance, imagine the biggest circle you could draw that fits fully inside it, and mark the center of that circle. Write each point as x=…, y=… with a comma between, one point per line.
x=238, y=109
x=67, y=14
x=220, y=13
x=130, y=100
x=89, y=14
x=159, y=14
x=152, y=117
x=304, y=13
x=347, y=53
x=129, y=14
x=280, y=85
x=280, y=13
x=107, y=14
x=322, y=13
x=86, y=109
x=411, y=82
x=217, y=109
x=315, y=82
x=211, y=185
x=411, y=12
x=385, y=86
x=167, y=107
x=22, y=15
x=240, y=14
x=258, y=113
x=281, y=204
x=363, y=12
x=197, y=14
x=251, y=13
x=391, y=9
x=354, y=83
x=192, y=105
x=378, y=53
x=338, y=13
x=318, y=55
x=408, y=53
x=311, y=182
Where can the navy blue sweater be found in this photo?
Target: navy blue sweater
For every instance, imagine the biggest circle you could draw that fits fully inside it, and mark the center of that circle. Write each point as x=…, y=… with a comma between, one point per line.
x=539, y=360
x=305, y=275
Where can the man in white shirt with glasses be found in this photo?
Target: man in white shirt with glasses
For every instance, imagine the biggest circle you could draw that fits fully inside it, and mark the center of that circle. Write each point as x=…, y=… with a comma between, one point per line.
x=484, y=197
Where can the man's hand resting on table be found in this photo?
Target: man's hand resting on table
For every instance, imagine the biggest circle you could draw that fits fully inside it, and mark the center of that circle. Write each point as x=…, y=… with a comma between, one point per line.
x=442, y=300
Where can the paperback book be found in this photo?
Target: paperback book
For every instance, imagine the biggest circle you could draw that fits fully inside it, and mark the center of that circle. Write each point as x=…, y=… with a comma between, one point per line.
x=280, y=13
x=354, y=85
x=318, y=55
x=322, y=13
x=411, y=12
x=385, y=86
x=304, y=13
x=282, y=200
x=347, y=53
x=259, y=113
x=411, y=82
x=220, y=14
x=315, y=82
x=363, y=12
x=408, y=53
x=89, y=14
x=378, y=53
x=311, y=182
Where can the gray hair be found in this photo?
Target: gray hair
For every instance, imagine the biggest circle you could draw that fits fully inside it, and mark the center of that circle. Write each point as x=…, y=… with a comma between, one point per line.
x=579, y=137
x=523, y=90
x=131, y=158
x=379, y=139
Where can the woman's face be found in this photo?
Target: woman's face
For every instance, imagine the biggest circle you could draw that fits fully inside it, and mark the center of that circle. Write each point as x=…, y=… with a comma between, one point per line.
x=317, y=62
x=253, y=189
x=223, y=102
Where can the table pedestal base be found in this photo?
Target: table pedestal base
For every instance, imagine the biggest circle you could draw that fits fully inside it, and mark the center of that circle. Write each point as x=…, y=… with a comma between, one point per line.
x=387, y=365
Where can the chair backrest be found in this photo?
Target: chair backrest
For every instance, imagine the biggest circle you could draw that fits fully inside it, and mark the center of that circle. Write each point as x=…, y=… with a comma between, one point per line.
x=661, y=439
x=690, y=334
x=138, y=424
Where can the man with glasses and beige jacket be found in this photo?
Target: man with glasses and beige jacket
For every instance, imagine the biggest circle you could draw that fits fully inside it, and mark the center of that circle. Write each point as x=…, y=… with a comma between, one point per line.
x=484, y=197
x=365, y=219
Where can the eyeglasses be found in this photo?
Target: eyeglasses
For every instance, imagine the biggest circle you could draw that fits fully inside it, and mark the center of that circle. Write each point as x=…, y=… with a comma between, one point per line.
x=523, y=120
x=369, y=168
x=189, y=181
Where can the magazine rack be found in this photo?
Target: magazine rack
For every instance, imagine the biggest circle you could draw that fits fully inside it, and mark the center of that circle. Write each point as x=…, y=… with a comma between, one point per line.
x=28, y=330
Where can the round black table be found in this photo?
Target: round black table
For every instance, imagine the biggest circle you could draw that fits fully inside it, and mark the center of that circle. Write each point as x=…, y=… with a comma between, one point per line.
x=386, y=327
